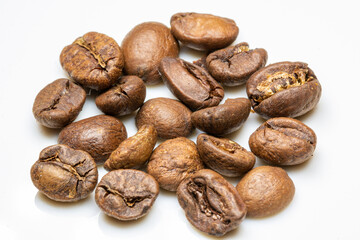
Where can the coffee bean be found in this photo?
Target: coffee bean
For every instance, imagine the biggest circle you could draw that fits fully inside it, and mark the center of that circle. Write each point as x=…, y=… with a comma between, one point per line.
x=284, y=89
x=93, y=60
x=201, y=62
x=233, y=65
x=211, y=203
x=126, y=194
x=98, y=135
x=64, y=174
x=59, y=103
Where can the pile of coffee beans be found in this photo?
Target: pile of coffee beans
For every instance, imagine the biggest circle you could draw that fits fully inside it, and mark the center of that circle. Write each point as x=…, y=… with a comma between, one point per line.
x=148, y=55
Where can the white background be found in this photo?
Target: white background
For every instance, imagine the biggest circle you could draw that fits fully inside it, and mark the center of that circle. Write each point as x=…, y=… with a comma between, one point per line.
x=325, y=34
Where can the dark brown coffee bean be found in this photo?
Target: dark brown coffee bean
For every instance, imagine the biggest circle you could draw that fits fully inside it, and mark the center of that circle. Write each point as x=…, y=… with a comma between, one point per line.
x=64, y=174
x=191, y=84
x=144, y=47
x=134, y=151
x=203, y=31
x=284, y=89
x=283, y=141
x=124, y=98
x=234, y=65
x=170, y=118
x=222, y=119
x=201, y=62
x=224, y=156
x=99, y=136
x=211, y=203
x=93, y=60
x=126, y=194
x=173, y=161
x=266, y=191
x=59, y=103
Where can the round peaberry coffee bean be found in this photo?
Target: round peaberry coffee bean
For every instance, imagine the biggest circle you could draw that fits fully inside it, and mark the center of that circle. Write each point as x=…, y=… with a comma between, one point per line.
x=190, y=83
x=173, y=161
x=283, y=141
x=266, y=191
x=98, y=135
x=224, y=156
x=64, y=174
x=170, y=117
x=124, y=98
x=59, y=103
x=233, y=65
x=203, y=31
x=222, y=119
x=134, y=151
x=211, y=203
x=93, y=60
x=144, y=47
x=126, y=194
x=284, y=89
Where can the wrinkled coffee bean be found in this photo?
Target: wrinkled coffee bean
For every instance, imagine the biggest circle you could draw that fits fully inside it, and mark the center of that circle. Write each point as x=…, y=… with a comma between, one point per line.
x=134, y=151
x=224, y=156
x=211, y=203
x=144, y=47
x=283, y=141
x=124, y=98
x=266, y=191
x=126, y=194
x=170, y=117
x=234, y=65
x=93, y=60
x=201, y=62
x=98, y=135
x=59, y=103
x=64, y=174
x=173, y=161
x=190, y=83
x=284, y=89
x=222, y=119
x=203, y=31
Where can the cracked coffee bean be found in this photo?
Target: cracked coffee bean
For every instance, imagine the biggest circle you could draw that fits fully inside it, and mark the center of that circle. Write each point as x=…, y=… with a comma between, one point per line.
x=59, y=103
x=283, y=141
x=203, y=31
x=211, y=204
x=224, y=156
x=190, y=83
x=124, y=98
x=126, y=194
x=64, y=174
x=284, y=89
x=93, y=60
x=99, y=136
x=234, y=65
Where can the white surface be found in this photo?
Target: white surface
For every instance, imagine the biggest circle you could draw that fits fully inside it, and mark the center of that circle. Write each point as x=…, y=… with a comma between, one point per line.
x=325, y=34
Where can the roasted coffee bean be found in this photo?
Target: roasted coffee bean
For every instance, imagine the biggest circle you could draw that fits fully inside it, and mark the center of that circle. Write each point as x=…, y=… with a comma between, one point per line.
x=59, y=103
x=191, y=84
x=284, y=89
x=64, y=174
x=222, y=119
x=93, y=60
x=144, y=47
x=234, y=65
x=266, y=191
x=224, y=156
x=134, y=151
x=203, y=31
x=201, y=62
x=126, y=194
x=124, y=98
x=211, y=203
x=98, y=135
x=283, y=141
x=170, y=118
x=173, y=161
